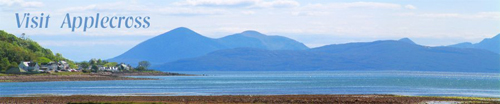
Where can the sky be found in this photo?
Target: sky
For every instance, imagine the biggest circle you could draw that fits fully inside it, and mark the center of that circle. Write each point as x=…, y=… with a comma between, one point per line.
x=312, y=22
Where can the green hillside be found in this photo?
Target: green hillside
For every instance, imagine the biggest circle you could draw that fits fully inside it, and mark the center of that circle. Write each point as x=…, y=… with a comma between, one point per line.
x=14, y=50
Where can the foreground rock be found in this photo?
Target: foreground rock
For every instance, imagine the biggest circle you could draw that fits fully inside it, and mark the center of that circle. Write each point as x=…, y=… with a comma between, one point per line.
x=315, y=99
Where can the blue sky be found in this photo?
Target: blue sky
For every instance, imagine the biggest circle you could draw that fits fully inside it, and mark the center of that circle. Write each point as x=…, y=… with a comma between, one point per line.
x=313, y=22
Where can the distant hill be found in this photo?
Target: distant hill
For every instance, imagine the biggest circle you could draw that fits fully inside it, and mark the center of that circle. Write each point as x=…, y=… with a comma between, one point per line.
x=378, y=55
x=490, y=44
x=183, y=43
x=254, y=39
x=407, y=40
x=13, y=50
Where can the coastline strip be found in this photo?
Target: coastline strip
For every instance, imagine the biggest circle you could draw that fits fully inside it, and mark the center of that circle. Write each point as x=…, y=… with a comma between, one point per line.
x=82, y=77
x=231, y=99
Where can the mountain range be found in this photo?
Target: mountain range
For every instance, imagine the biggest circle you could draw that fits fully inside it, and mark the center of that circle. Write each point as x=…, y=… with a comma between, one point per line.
x=491, y=44
x=369, y=56
x=182, y=49
x=182, y=43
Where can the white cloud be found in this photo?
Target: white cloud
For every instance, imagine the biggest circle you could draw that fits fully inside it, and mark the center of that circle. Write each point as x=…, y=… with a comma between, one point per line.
x=278, y=4
x=249, y=12
x=355, y=5
x=107, y=7
x=440, y=15
x=371, y=5
x=184, y=11
x=240, y=3
x=134, y=8
x=344, y=7
x=17, y=5
x=480, y=15
x=410, y=7
x=310, y=13
x=79, y=8
x=217, y=2
x=22, y=3
x=490, y=15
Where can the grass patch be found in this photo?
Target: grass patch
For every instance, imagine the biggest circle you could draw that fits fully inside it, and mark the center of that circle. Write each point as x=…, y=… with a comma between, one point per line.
x=6, y=81
x=42, y=74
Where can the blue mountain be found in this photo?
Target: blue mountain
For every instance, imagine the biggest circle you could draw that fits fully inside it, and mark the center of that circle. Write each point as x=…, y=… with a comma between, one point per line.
x=175, y=44
x=254, y=39
x=183, y=43
x=490, y=44
x=378, y=55
x=407, y=40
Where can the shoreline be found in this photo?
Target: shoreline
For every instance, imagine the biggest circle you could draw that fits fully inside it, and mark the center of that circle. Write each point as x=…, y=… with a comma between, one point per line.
x=72, y=76
x=149, y=74
x=49, y=78
x=247, y=99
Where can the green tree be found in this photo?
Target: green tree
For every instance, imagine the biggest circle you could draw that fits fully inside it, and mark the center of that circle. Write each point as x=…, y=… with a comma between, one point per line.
x=110, y=64
x=14, y=64
x=99, y=62
x=59, y=57
x=34, y=46
x=95, y=68
x=84, y=65
x=72, y=65
x=140, y=68
x=4, y=64
x=93, y=62
x=42, y=60
x=144, y=64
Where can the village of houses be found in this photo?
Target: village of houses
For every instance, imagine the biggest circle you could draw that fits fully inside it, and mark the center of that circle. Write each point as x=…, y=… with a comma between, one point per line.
x=60, y=66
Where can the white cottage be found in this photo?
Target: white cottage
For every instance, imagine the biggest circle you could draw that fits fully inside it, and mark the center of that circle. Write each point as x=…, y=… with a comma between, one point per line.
x=29, y=66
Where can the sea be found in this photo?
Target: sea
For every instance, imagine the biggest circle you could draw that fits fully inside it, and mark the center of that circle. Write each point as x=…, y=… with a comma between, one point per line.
x=274, y=83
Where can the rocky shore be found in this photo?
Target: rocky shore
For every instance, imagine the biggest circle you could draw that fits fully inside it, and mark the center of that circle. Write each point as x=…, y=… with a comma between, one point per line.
x=154, y=73
x=84, y=76
x=274, y=99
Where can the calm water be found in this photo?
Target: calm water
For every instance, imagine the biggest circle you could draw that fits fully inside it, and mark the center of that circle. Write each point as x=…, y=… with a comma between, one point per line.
x=273, y=83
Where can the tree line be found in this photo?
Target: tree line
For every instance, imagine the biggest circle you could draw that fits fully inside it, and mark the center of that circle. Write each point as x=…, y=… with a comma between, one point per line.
x=93, y=65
